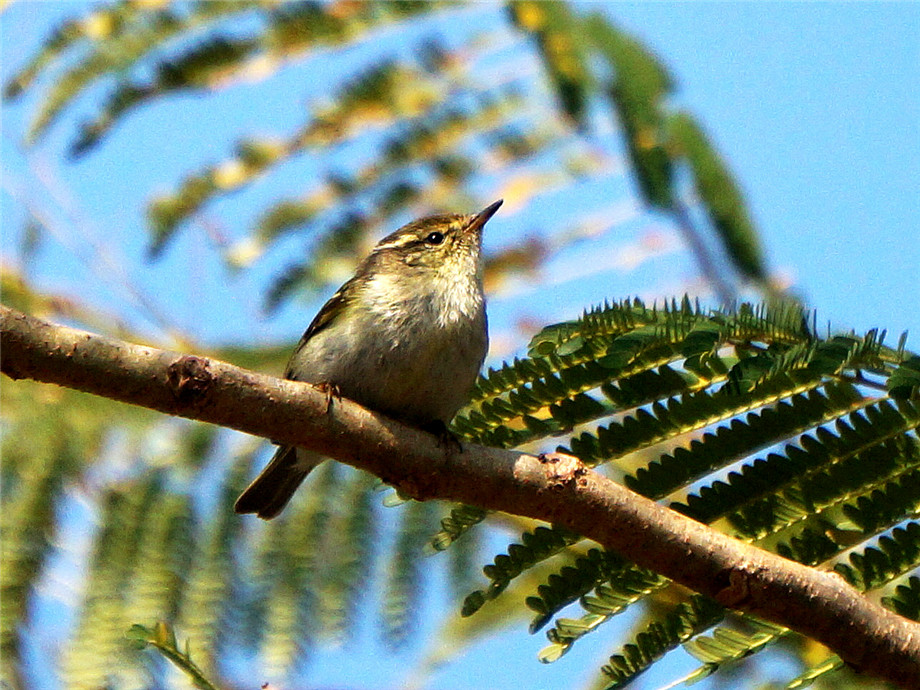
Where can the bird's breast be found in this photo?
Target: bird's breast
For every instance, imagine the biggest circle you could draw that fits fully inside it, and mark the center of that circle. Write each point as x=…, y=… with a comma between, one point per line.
x=414, y=362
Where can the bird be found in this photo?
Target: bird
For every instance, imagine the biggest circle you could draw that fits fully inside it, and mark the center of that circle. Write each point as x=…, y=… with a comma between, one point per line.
x=406, y=336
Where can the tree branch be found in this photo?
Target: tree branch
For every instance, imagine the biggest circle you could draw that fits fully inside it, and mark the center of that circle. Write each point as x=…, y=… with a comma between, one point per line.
x=556, y=488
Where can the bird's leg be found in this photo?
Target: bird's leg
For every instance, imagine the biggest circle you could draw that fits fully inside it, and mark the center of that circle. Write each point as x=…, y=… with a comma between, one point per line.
x=331, y=390
x=444, y=435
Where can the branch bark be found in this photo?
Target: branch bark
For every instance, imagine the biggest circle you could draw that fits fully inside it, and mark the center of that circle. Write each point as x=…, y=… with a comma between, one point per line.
x=555, y=488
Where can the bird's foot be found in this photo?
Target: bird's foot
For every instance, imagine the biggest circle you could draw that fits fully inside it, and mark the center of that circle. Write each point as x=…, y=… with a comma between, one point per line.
x=332, y=391
x=444, y=435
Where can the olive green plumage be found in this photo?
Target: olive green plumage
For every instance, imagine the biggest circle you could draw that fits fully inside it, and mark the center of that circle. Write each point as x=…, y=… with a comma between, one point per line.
x=406, y=336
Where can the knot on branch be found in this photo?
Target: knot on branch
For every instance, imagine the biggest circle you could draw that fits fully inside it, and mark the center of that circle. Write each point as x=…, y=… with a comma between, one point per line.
x=735, y=589
x=189, y=378
x=561, y=469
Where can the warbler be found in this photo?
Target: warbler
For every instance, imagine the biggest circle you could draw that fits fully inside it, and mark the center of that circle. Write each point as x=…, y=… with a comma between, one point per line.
x=406, y=337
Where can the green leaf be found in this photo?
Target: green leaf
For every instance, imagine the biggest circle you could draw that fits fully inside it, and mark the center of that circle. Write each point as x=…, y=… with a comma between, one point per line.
x=720, y=196
x=904, y=381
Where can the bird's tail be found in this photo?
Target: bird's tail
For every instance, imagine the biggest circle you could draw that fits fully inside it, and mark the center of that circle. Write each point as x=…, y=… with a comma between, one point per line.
x=273, y=488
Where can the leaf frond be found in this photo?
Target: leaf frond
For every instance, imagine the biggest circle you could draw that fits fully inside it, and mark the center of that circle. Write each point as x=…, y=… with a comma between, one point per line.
x=679, y=625
x=574, y=581
x=535, y=546
x=743, y=437
x=906, y=599
x=803, y=680
x=460, y=520
x=121, y=37
x=896, y=554
x=727, y=645
x=602, y=600
x=162, y=638
x=404, y=584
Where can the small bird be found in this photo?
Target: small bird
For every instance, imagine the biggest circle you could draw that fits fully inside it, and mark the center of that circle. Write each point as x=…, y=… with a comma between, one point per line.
x=406, y=337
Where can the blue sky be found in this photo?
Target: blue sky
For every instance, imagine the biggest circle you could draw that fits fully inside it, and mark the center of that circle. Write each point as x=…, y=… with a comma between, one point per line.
x=816, y=107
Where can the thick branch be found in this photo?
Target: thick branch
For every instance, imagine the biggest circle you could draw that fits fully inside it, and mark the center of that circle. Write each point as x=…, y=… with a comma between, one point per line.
x=554, y=488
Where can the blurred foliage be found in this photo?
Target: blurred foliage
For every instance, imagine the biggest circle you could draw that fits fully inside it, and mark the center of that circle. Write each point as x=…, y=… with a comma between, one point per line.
x=742, y=419
x=433, y=115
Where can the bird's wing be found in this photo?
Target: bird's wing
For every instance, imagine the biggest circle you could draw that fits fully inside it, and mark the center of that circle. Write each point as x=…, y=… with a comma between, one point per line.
x=323, y=318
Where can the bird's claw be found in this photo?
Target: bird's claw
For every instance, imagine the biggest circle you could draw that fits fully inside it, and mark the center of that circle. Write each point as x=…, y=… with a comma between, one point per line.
x=332, y=391
x=444, y=435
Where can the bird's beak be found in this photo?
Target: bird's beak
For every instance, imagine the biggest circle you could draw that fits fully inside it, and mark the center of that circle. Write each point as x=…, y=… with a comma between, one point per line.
x=481, y=218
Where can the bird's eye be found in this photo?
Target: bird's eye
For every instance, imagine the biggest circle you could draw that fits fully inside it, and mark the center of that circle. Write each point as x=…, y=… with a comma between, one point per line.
x=435, y=237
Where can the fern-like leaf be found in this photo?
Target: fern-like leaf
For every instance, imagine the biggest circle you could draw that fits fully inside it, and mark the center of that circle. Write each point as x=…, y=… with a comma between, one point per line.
x=682, y=623
x=535, y=546
x=906, y=599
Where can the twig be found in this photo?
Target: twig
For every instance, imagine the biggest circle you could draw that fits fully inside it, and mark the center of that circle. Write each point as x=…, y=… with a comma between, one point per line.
x=556, y=488
x=707, y=264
